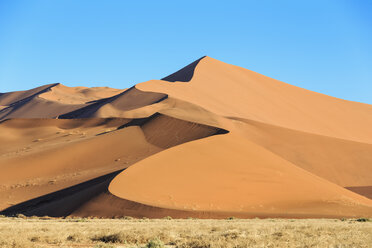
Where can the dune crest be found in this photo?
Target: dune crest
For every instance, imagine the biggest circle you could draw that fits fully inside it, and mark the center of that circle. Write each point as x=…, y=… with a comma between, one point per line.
x=77, y=95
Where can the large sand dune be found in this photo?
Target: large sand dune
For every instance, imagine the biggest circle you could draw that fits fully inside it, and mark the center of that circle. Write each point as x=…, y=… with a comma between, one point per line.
x=211, y=140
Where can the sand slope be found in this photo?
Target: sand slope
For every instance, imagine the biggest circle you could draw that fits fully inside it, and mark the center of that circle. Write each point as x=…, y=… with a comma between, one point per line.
x=211, y=140
x=233, y=91
x=346, y=163
x=50, y=101
x=44, y=155
x=116, y=105
x=237, y=176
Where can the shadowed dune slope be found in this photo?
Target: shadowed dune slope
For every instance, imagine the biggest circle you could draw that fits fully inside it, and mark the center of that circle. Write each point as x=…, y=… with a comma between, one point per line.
x=362, y=190
x=64, y=202
x=183, y=75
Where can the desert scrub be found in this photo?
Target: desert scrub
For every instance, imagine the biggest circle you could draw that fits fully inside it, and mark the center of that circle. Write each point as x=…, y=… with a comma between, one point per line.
x=109, y=238
x=155, y=243
x=184, y=233
x=363, y=220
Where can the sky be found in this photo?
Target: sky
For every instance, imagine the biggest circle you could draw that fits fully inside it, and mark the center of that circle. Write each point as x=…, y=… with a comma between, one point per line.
x=324, y=46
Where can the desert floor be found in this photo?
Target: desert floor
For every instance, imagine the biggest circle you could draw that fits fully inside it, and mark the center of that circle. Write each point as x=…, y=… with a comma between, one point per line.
x=129, y=232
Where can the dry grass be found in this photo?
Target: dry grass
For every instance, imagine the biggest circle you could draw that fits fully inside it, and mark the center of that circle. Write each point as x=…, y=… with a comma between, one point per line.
x=49, y=232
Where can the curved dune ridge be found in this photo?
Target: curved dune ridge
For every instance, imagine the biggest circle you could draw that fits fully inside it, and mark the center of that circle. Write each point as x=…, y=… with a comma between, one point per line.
x=212, y=140
x=50, y=101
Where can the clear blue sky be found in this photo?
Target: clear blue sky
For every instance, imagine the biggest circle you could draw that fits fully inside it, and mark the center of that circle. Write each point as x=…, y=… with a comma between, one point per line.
x=325, y=45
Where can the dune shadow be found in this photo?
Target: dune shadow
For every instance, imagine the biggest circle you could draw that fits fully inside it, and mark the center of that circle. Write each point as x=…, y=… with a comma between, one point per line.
x=177, y=131
x=62, y=202
x=18, y=104
x=185, y=74
x=362, y=190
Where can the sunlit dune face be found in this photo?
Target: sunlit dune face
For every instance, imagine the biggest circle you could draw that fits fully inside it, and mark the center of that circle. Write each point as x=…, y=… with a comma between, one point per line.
x=78, y=95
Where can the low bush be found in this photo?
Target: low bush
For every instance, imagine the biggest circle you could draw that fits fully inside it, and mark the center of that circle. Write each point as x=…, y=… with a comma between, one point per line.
x=362, y=220
x=155, y=243
x=109, y=238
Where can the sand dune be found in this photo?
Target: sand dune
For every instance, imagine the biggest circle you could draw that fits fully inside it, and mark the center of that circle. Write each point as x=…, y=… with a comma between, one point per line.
x=233, y=91
x=78, y=95
x=7, y=99
x=346, y=163
x=115, y=106
x=50, y=101
x=211, y=140
x=236, y=177
x=57, y=153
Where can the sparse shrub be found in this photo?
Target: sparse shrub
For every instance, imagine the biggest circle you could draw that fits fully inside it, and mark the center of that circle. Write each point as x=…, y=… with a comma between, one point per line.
x=35, y=239
x=128, y=218
x=278, y=235
x=231, y=218
x=167, y=218
x=362, y=220
x=22, y=216
x=73, y=238
x=231, y=235
x=46, y=218
x=109, y=238
x=195, y=244
x=155, y=243
x=81, y=220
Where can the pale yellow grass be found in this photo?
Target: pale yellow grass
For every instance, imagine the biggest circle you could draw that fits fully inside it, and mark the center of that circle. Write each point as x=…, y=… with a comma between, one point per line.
x=47, y=232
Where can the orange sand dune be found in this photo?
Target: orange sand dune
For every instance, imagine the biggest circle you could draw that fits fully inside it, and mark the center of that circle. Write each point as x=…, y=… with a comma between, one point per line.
x=10, y=98
x=50, y=101
x=211, y=140
x=51, y=157
x=227, y=173
x=55, y=153
x=78, y=95
x=346, y=163
x=117, y=105
x=233, y=91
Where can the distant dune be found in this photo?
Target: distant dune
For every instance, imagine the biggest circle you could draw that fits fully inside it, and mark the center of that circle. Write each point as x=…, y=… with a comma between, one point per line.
x=212, y=140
